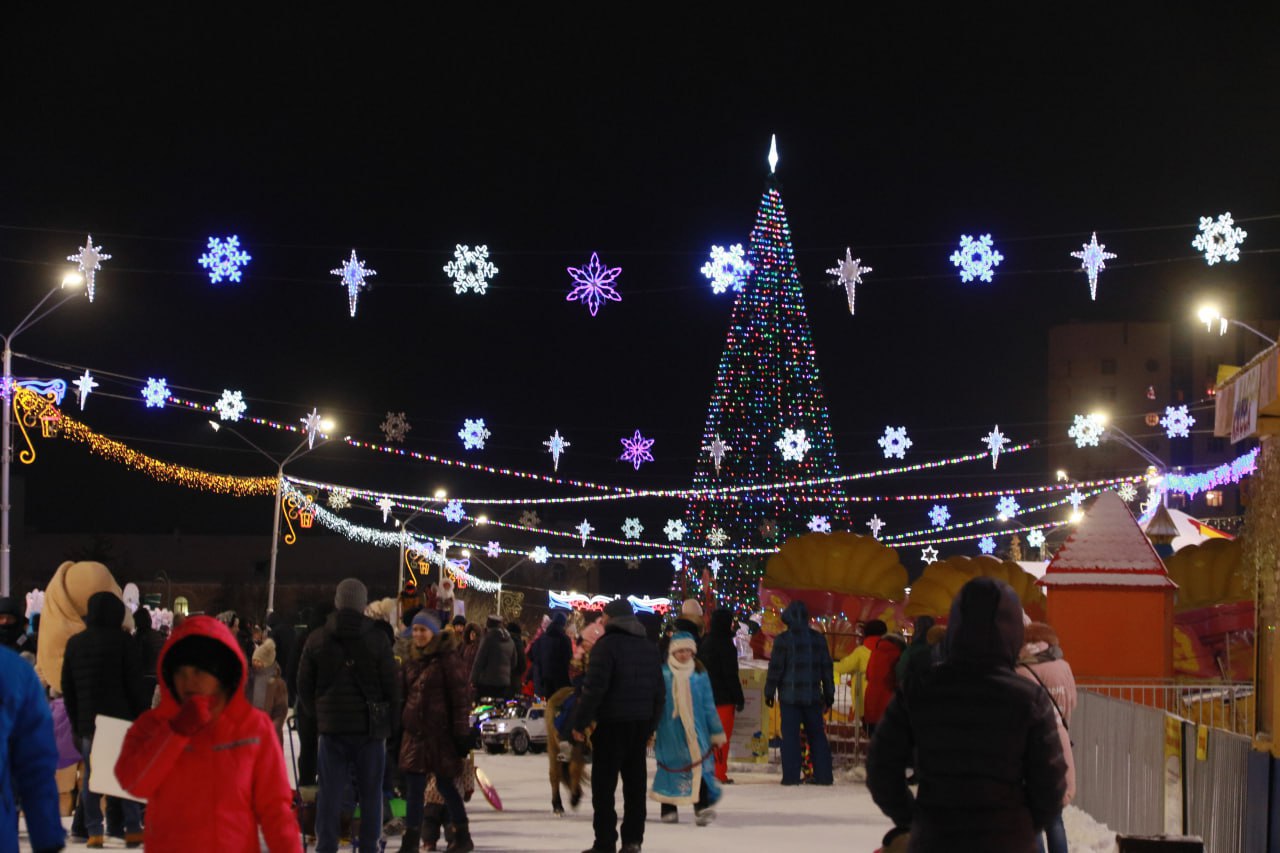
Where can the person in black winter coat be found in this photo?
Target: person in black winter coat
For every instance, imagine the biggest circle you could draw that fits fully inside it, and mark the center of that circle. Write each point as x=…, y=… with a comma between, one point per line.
x=983, y=740
x=149, y=642
x=550, y=655
x=720, y=657
x=283, y=635
x=623, y=696
x=801, y=676
x=102, y=674
x=517, y=672
x=495, y=661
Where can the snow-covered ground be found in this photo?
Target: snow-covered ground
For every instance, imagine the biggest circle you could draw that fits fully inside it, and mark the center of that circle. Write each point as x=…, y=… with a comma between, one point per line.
x=756, y=814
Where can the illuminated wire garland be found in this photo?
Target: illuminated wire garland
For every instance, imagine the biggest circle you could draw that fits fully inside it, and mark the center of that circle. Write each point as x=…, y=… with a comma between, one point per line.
x=964, y=525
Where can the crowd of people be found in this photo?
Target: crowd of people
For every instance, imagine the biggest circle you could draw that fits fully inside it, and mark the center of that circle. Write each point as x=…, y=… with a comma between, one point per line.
x=969, y=721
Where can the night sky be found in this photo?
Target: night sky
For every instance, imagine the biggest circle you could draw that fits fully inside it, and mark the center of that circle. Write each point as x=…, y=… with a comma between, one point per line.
x=644, y=142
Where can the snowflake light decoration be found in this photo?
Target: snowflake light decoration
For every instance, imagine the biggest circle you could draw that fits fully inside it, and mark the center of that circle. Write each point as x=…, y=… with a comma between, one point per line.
x=939, y=515
x=1035, y=538
x=1087, y=430
x=556, y=445
x=714, y=565
x=395, y=427
x=794, y=444
x=1220, y=240
x=1007, y=507
x=311, y=423
x=230, y=405
x=339, y=499
x=384, y=503
x=1075, y=499
x=976, y=258
x=470, y=269
x=88, y=261
x=929, y=554
x=585, y=530
x=473, y=434
x=1093, y=260
x=995, y=442
x=632, y=528
x=678, y=562
x=716, y=537
x=1177, y=422
x=353, y=274
x=539, y=555
x=529, y=518
x=876, y=526
x=819, y=524
x=454, y=511
x=894, y=442
x=594, y=284
x=224, y=259
x=675, y=530
x=155, y=392
x=727, y=269
x=1127, y=492
x=636, y=450
x=717, y=448
x=848, y=273
x=84, y=385
x=493, y=549
x=987, y=545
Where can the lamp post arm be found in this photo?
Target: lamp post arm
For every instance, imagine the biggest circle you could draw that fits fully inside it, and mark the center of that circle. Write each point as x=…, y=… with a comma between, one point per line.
x=1244, y=325
x=30, y=321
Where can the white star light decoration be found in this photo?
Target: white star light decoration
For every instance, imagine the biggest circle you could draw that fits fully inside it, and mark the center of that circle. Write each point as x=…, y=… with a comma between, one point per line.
x=1093, y=260
x=1087, y=430
x=493, y=549
x=88, y=261
x=929, y=554
x=529, y=518
x=470, y=269
x=939, y=515
x=717, y=448
x=539, y=555
x=716, y=537
x=384, y=504
x=987, y=545
x=585, y=530
x=894, y=442
x=155, y=392
x=454, y=512
x=353, y=274
x=1220, y=241
x=473, y=434
x=1127, y=492
x=976, y=258
x=1075, y=499
x=632, y=528
x=675, y=530
x=727, y=269
x=230, y=405
x=84, y=385
x=311, y=423
x=794, y=444
x=1007, y=507
x=995, y=442
x=594, y=284
x=876, y=526
x=819, y=524
x=224, y=259
x=395, y=427
x=1035, y=538
x=636, y=450
x=556, y=445
x=848, y=273
x=1177, y=422
x=715, y=566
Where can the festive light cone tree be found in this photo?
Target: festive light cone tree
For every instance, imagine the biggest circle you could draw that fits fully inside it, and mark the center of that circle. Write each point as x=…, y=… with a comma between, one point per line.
x=766, y=389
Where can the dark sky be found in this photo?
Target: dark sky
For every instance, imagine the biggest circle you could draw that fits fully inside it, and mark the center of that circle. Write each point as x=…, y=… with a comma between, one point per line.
x=643, y=141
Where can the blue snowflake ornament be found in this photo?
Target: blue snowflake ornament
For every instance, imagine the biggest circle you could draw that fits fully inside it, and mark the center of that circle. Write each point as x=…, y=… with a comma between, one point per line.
x=976, y=258
x=939, y=515
x=987, y=545
x=224, y=259
x=155, y=393
x=727, y=269
x=636, y=450
x=594, y=284
x=1177, y=422
x=473, y=434
x=454, y=512
x=1007, y=507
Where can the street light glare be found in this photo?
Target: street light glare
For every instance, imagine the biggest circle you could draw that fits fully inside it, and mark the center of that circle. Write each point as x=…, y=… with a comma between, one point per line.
x=482, y=520
x=1208, y=313
x=72, y=279
x=466, y=552
x=441, y=494
x=1100, y=417
x=328, y=425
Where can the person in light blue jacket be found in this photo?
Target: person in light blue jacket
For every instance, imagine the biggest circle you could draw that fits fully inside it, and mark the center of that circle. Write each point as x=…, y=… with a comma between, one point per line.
x=28, y=757
x=688, y=732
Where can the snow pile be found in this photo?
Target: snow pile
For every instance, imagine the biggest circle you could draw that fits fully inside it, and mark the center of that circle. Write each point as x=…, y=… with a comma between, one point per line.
x=1107, y=549
x=1086, y=835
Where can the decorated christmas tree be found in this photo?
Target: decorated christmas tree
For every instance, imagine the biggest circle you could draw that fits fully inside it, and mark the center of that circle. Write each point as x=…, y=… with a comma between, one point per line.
x=767, y=424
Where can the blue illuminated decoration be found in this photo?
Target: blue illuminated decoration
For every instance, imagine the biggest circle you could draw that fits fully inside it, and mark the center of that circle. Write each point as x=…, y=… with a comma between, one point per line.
x=353, y=273
x=976, y=258
x=636, y=450
x=939, y=515
x=987, y=545
x=1007, y=507
x=155, y=393
x=44, y=387
x=224, y=259
x=727, y=269
x=1230, y=472
x=594, y=284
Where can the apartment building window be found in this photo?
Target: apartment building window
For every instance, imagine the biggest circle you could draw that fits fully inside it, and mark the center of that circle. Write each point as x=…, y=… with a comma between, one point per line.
x=1108, y=367
x=1213, y=497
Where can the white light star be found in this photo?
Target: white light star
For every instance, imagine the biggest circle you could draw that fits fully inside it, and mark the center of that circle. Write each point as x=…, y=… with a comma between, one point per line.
x=555, y=446
x=717, y=448
x=929, y=554
x=1092, y=261
x=353, y=274
x=848, y=273
x=585, y=530
x=876, y=526
x=88, y=262
x=1075, y=499
x=995, y=442
x=714, y=565
x=773, y=153
x=311, y=423
x=384, y=503
x=84, y=385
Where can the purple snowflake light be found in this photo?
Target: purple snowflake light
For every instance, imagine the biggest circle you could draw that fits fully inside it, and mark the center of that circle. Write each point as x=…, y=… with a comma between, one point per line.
x=594, y=284
x=636, y=450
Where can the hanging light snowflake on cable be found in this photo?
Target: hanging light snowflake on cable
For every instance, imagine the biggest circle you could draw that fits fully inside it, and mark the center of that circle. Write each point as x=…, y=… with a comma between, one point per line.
x=894, y=442
x=794, y=444
x=353, y=274
x=555, y=446
x=1093, y=260
x=395, y=427
x=632, y=528
x=976, y=258
x=939, y=515
x=529, y=518
x=84, y=385
x=470, y=269
x=717, y=448
x=454, y=511
x=987, y=545
x=339, y=499
x=1035, y=538
x=384, y=504
x=675, y=530
x=594, y=284
x=929, y=554
x=678, y=562
x=155, y=393
x=636, y=450
x=876, y=526
x=848, y=273
x=995, y=442
x=1177, y=422
x=224, y=259
x=1127, y=492
x=727, y=269
x=88, y=261
x=819, y=524
x=473, y=434
x=1220, y=241
x=585, y=530
x=716, y=537
x=493, y=549
x=230, y=405
x=1007, y=507
x=539, y=555
x=1075, y=499
x=1087, y=430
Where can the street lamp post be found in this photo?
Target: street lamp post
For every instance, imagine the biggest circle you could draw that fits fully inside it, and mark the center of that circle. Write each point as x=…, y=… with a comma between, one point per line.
x=1114, y=433
x=501, y=576
x=35, y=315
x=439, y=496
x=1209, y=313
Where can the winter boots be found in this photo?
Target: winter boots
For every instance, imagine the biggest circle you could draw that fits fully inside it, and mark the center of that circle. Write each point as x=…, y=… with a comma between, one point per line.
x=461, y=842
x=409, y=841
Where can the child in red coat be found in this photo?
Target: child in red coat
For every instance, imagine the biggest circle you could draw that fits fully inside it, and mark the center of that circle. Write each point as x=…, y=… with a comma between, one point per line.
x=209, y=763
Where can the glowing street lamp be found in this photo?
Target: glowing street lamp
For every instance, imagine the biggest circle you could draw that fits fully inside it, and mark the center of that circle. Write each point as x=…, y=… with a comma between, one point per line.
x=1209, y=314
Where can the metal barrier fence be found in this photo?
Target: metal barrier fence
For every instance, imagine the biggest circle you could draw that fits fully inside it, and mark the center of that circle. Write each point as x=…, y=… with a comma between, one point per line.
x=1119, y=756
x=843, y=724
x=1225, y=705
x=1215, y=789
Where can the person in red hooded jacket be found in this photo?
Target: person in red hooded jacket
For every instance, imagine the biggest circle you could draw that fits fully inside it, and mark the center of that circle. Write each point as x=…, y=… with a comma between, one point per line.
x=881, y=682
x=208, y=762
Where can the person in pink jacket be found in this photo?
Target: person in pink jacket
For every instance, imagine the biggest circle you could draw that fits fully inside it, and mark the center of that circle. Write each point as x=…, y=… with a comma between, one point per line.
x=1041, y=661
x=208, y=762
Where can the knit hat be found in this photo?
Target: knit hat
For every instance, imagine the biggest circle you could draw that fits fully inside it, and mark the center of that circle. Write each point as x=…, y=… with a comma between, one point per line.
x=618, y=607
x=206, y=653
x=558, y=620
x=691, y=608
x=459, y=621
x=426, y=619
x=351, y=595
x=682, y=640
x=265, y=654
x=493, y=621
x=875, y=628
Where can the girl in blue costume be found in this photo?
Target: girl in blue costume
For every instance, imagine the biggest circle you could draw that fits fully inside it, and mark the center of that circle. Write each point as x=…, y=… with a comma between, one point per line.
x=687, y=732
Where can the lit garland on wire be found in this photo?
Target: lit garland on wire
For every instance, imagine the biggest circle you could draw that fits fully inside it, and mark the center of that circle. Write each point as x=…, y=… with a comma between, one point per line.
x=963, y=525
x=1230, y=472
x=578, y=601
